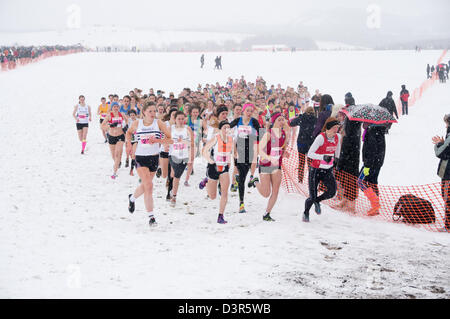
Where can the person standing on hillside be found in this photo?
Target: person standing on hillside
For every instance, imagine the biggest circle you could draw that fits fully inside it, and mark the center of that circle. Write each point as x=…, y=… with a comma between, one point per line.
x=404, y=96
x=202, y=61
x=442, y=151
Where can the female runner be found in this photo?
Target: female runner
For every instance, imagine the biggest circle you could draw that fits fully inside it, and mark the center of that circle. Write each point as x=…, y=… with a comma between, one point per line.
x=150, y=133
x=271, y=151
x=218, y=152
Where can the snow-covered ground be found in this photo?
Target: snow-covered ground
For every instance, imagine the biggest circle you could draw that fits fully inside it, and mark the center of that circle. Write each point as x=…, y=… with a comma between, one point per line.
x=65, y=231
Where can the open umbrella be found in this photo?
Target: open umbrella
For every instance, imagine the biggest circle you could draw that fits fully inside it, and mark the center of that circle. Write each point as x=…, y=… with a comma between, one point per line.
x=369, y=113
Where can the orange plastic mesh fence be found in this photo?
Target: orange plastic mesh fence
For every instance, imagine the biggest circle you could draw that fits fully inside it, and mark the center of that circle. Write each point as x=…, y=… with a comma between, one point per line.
x=424, y=206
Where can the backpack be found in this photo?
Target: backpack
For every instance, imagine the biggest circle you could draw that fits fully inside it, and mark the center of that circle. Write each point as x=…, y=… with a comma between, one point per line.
x=414, y=210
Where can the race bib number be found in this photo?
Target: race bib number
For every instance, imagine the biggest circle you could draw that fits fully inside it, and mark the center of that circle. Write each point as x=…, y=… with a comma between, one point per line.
x=244, y=131
x=179, y=146
x=275, y=152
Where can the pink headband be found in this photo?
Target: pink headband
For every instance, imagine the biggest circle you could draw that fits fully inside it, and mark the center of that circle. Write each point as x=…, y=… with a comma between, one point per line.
x=247, y=105
x=274, y=117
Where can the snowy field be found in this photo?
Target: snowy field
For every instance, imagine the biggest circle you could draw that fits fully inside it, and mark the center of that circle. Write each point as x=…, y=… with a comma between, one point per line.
x=65, y=231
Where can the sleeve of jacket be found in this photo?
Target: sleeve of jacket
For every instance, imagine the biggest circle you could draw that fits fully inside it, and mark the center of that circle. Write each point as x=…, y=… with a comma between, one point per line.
x=394, y=108
x=295, y=121
x=442, y=150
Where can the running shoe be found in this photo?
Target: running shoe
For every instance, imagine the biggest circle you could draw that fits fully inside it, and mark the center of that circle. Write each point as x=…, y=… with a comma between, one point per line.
x=317, y=208
x=242, y=209
x=152, y=221
x=252, y=182
x=234, y=187
x=305, y=217
x=82, y=152
x=113, y=176
x=186, y=183
x=220, y=219
x=158, y=172
x=169, y=196
x=267, y=218
x=173, y=201
x=130, y=204
x=127, y=163
x=203, y=183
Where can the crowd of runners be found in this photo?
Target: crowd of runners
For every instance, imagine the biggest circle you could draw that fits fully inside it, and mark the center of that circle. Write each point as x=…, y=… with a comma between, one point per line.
x=236, y=129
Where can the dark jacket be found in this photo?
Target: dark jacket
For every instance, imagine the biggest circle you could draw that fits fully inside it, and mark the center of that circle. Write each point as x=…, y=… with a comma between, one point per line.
x=323, y=116
x=374, y=147
x=442, y=151
x=389, y=104
x=351, y=147
x=305, y=137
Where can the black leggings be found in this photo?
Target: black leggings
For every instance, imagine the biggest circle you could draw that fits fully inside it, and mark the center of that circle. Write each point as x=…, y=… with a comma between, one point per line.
x=243, y=169
x=317, y=175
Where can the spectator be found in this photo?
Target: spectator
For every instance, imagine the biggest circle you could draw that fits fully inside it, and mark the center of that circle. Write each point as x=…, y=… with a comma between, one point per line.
x=306, y=123
x=325, y=109
x=442, y=151
x=404, y=96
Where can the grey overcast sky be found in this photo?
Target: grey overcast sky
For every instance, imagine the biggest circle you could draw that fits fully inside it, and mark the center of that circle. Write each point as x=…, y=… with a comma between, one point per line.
x=25, y=15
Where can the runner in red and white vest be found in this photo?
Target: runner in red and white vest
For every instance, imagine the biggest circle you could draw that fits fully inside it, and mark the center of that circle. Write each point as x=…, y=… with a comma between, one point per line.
x=324, y=152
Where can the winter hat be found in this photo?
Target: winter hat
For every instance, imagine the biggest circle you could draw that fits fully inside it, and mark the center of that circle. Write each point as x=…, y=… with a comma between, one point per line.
x=389, y=94
x=347, y=95
x=114, y=104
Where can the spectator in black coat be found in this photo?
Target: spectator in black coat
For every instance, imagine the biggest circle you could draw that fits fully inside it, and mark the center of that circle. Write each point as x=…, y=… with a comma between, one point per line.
x=325, y=109
x=428, y=71
x=348, y=165
x=442, y=151
x=373, y=152
x=306, y=123
x=389, y=104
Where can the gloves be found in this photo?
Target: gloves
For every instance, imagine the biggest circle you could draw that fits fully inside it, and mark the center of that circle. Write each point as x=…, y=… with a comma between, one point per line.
x=366, y=171
x=327, y=158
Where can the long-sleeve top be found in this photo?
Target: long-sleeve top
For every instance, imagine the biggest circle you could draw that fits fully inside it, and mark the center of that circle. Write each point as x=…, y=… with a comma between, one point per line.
x=318, y=142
